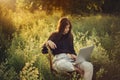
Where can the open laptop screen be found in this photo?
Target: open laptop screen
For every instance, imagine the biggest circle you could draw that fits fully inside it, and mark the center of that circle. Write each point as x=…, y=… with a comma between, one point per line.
x=84, y=54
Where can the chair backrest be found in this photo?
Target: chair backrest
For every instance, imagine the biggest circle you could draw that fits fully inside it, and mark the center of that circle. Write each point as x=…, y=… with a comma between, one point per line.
x=50, y=57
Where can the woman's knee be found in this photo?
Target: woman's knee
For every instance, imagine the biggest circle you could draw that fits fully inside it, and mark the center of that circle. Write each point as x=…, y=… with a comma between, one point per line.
x=87, y=66
x=64, y=65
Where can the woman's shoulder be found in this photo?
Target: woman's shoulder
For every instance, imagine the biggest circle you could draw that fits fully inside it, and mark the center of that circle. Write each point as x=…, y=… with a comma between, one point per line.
x=54, y=33
x=53, y=36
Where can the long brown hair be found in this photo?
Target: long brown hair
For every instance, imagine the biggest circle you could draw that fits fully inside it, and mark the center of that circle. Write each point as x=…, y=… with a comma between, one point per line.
x=62, y=23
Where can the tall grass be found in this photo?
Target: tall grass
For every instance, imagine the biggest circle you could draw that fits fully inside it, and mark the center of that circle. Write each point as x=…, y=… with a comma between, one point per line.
x=33, y=29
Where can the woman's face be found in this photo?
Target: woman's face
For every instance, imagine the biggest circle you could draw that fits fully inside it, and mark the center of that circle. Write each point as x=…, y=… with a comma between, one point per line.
x=67, y=28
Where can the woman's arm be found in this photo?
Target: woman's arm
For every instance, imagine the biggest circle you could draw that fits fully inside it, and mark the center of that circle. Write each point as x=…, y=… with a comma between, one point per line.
x=49, y=43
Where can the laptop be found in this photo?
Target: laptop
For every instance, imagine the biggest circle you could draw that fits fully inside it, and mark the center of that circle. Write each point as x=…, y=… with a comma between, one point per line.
x=84, y=54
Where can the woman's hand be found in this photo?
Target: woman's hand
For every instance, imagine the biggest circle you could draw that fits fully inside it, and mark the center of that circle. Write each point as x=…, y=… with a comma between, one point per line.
x=51, y=44
x=72, y=56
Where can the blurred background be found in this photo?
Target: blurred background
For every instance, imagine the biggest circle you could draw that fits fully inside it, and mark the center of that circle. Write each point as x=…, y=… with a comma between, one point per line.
x=26, y=24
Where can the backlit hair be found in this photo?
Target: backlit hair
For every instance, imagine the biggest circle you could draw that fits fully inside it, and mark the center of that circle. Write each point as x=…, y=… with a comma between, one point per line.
x=63, y=22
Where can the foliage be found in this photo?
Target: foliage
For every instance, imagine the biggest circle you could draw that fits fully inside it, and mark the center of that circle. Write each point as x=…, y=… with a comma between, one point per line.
x=7, y=72
x=6, y=23
x=6, y=30
x=83, y=7
x=77, y=6
x=3, y=46
x=32, y=30
x=29, y=72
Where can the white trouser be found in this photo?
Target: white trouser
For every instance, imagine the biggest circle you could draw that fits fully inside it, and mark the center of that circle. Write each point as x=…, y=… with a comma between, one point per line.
x=87, y=67
x=62, y=63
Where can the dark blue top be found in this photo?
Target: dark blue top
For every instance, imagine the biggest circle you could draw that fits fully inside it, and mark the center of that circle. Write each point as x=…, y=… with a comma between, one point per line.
x=64, y=44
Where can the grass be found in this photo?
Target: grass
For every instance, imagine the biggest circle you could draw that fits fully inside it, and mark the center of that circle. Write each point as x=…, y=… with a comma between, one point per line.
x=33, y=29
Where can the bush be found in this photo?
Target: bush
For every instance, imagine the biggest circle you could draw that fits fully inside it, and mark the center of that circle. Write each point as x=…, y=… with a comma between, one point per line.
x=7, y=72
x=29, y=72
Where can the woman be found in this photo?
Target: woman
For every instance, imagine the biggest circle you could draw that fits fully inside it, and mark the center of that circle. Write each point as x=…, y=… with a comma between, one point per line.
x=61, y=45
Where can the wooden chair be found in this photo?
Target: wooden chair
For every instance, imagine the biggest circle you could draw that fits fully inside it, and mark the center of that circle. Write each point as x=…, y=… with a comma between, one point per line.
x=50, y=57
x=70, y=75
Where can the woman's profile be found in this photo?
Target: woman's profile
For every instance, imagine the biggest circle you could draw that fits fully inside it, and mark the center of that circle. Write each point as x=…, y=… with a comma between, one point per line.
x=62, y=47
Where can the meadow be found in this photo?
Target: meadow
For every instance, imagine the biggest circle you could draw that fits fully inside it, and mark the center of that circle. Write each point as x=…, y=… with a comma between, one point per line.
x=29, y=31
